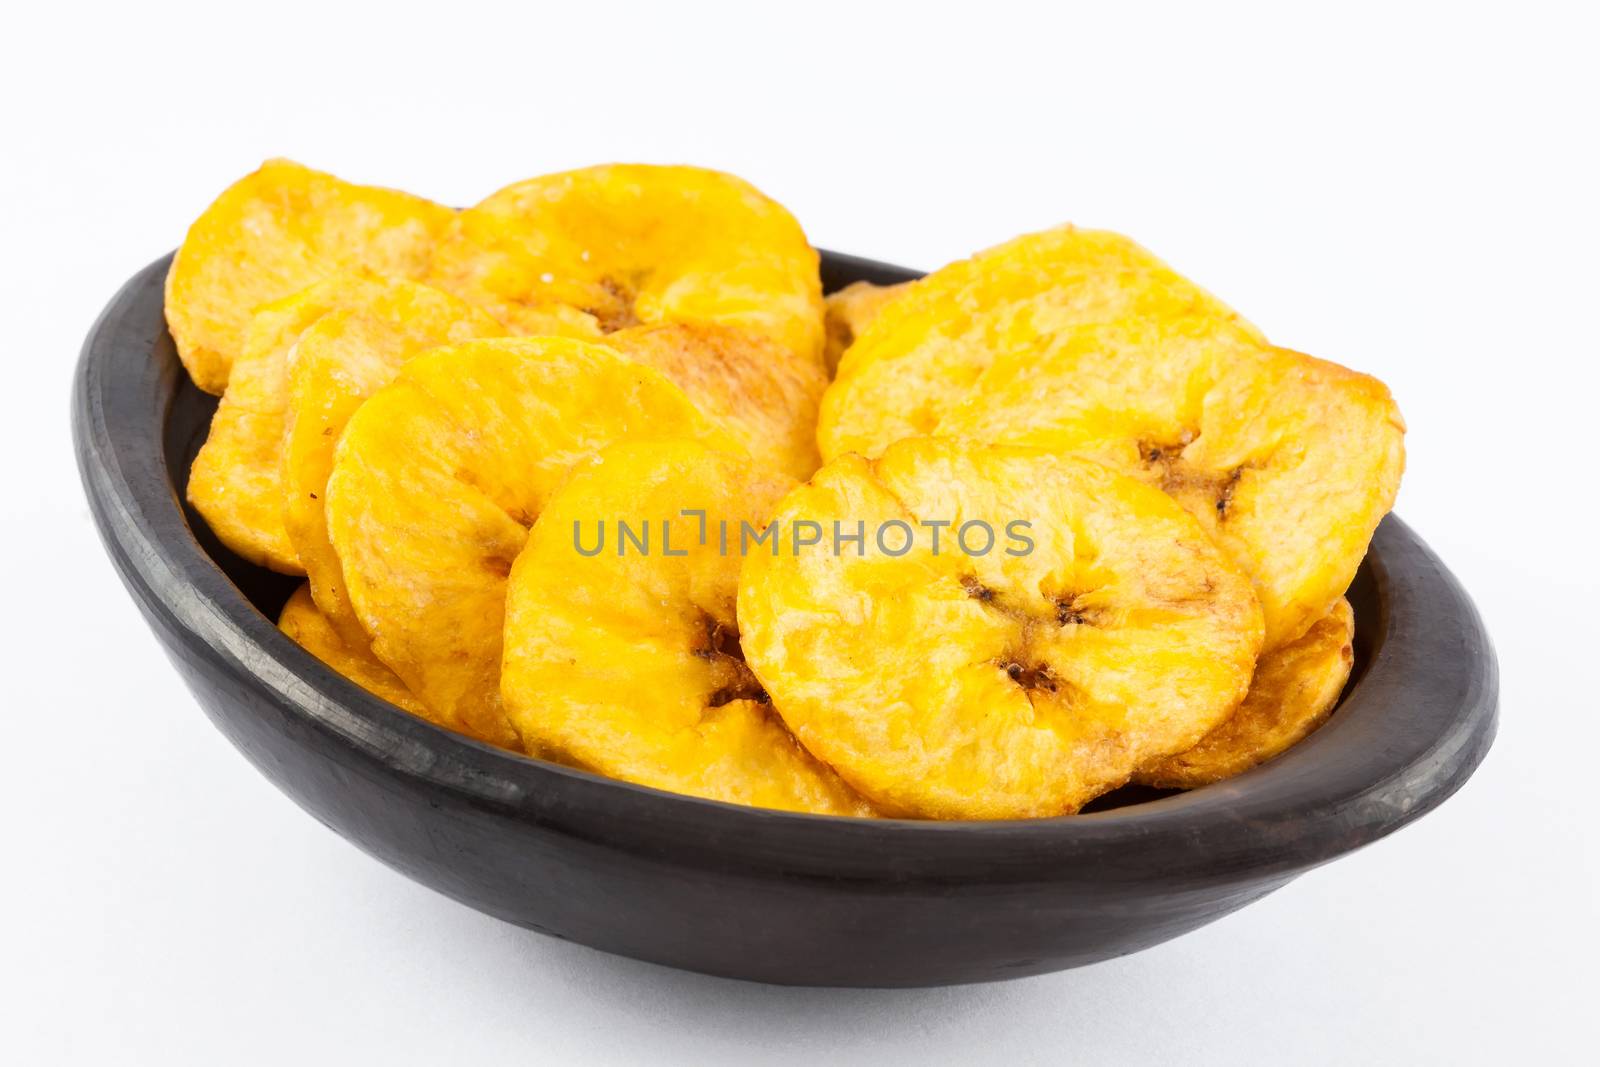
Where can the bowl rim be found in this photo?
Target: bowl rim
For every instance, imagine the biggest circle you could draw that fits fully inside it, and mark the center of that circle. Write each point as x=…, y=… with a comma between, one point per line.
x=1408, y=733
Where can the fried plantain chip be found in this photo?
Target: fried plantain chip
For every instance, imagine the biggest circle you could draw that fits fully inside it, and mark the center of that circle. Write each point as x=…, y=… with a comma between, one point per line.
x=589, y=252
x=849, y=312
x=924, y=350
x=1081, y=342
x=1294, y=691
x=340, y=360
x=240, y=481
x=624, y=660
x=236, y=481
x=273, y=233
x=760, y=392
x=310, y=629
x=1006, y=671
x=437, y=478
x=1288, y=462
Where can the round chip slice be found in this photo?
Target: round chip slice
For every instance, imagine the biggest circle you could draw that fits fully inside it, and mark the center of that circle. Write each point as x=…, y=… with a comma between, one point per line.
x=589, y=252
x=310, y=629
x=437, y=478
x=239, y=481
x=339, y=361
x=1293, y=692
x=623, y=658
x=764, y=396
x=1288, y=462
x=1063, y=626
x=271, y=234
x=925, y=349
x=851, y=310
x=235, y=482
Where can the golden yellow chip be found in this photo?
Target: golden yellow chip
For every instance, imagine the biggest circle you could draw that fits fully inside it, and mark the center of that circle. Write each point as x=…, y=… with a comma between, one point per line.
x=310, y=629
x=437, y=478
x=240, y=482
x=758, y=391
x=339, y=361
x=621, y=642
x=271, y=234
x=1294, y=691
x=1288, y=462
x=589, y=252
x=236, y=481
x=925, y=349
x=850, y=310
x=1069, y=625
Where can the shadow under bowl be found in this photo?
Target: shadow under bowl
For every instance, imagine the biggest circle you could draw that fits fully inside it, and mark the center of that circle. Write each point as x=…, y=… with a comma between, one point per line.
x=743, y=892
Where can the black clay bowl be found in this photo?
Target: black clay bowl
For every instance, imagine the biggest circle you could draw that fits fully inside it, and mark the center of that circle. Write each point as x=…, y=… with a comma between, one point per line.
x=737, y=891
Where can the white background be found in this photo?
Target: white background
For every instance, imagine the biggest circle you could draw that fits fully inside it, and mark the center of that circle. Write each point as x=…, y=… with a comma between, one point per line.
x=1409, y=190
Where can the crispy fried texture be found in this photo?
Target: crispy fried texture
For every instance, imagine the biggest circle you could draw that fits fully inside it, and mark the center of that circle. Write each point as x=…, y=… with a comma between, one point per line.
x=274, y=232
x=627, y=663
x=236, y=481
x=849, y=312
x=1294, y=691
x=924, y=350
x=587, y=252
x=1288, y=462
x=760, y=392
x=242, y=482
x=310, y=629
x=1081, y=342
x=437, y=478
x=340, y=360
x=956, y=685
